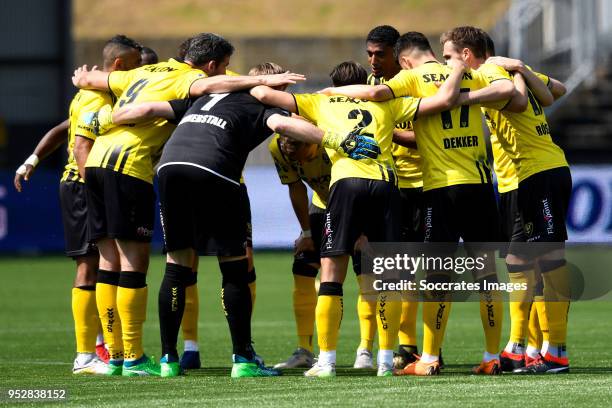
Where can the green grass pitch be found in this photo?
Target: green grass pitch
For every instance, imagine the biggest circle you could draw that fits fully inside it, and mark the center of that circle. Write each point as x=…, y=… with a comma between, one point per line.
x=37, y=343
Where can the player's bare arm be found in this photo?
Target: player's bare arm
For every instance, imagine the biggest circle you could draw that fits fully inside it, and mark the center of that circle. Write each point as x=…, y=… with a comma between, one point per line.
x=295, y=128
x=497, y=91
x=139, y=112
x=376, y=93
x=273, y=97
x=299, y=201
x=539, y=88
x=49, y=143
x=557, y=88
x=406, y=138
x=82, y=147
x=90, y=79
x=519, y=101
x=229, y=83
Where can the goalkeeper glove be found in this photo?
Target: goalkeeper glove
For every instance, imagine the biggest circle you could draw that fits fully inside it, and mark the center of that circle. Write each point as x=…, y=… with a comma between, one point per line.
x=354, y=145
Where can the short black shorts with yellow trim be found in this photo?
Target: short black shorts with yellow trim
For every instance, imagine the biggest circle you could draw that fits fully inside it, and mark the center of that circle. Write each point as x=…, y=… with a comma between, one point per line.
x=246, y=208
x=119, y=206
x=202, y=211
x=73, y=202
x=543, y=201
x=360, y=206
x=412, y=214
x=467, y=211
x=317, y=221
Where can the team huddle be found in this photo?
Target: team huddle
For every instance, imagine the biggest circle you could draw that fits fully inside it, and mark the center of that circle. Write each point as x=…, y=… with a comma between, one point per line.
x=396, y=155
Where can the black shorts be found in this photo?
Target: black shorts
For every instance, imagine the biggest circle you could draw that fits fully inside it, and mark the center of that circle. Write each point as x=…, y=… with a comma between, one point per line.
x=543, y=201
x=73, y=202
x=317, y=221
x=119, y=206
x=412, y=214
x=360, y=206
x=511, y=225
x=201, y=211
x=246, y=208
x=467, y=211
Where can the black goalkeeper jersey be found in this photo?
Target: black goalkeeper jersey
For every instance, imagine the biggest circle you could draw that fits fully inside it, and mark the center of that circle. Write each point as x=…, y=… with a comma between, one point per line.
x=216, y=132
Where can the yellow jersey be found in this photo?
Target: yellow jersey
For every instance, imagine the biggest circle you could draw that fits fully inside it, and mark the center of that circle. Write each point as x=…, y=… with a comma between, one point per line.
x=451, y=143
x=342, y=115
x=83, y=102
x=135, y=149
x=526, y=138
x=407, y=160
x=316, y=173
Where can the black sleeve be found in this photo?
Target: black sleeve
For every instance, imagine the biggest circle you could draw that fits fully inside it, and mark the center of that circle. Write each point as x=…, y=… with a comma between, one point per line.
x=180, y=106
x=273, y=111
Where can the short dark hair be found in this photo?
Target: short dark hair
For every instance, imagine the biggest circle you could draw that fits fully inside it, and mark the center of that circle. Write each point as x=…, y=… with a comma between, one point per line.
x=412, y=40
x=206, y=47
x=489, y=43
x=182, y=49
x=349, y=73
x=149, y=54
x=384, y=34
x=117, y=46
x=467, y=37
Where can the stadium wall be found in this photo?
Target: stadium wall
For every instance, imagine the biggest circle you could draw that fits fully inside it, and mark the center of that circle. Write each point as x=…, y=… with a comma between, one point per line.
x=30, y=222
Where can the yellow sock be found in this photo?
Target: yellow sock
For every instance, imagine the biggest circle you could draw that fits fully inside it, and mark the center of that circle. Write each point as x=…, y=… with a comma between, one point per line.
x=556, y=299
x=492, y=317
x=540, y=307
x=329, y=315
x=106, y=300
x=86, y=319
x=435, y=318
x=520, y=304
x=366, y=311
x=388, y=320
x=191, y=315
x=407, y=330
x=534, y=338
x=132, y=306
x=304, y=305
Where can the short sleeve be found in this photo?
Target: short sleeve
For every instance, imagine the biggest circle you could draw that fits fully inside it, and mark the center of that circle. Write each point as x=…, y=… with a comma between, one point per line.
x=308, y=106
x=180, y=107
x=493, y=73
x=184, y=82
x=488, y=74
x=286, y=172
x=405, y=109
x=403, y=84
x=93, y=101
x=118, y=81
x=273, y=111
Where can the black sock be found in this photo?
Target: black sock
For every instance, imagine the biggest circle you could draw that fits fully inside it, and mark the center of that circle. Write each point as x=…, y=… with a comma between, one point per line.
x=171, y=303
x=236, y=299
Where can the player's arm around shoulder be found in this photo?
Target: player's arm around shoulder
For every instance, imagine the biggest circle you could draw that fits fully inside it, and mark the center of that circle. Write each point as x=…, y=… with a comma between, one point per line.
x=84, y=78
x=232, y=83
x=140, y=112
x=376, y=93
x=494, y=92
x=447, y=95
x=274, y=97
